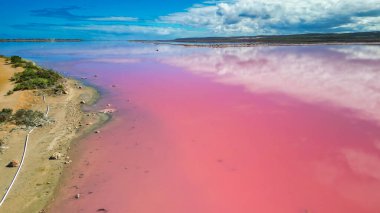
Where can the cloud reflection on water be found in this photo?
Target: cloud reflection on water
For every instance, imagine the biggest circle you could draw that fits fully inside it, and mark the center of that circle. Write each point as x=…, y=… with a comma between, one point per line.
x=346, y=76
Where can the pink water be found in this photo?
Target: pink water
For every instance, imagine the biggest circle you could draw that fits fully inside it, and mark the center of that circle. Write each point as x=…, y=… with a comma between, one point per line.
x=219, y=134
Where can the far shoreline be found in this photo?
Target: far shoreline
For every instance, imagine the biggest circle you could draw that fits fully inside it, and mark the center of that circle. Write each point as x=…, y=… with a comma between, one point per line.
x=308, y=39
x=9, y=40
x=228, y=45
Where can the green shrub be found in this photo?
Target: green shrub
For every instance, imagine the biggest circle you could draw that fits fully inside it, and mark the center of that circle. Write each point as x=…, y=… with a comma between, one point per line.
x=34, y=77
x=16, y=59
x=28, y=117
x=30, y=65
x=37, y=78
x=50, y=75
x=24, y=76
x=36, y=83
x=59, y=89
x=10, y=92
x=5, y=115
x=2, y=143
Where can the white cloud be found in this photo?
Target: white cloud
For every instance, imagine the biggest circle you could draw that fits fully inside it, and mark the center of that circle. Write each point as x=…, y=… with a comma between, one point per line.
x=125, y=29
x=363, y=24
x=276, y=16
x=114, y=18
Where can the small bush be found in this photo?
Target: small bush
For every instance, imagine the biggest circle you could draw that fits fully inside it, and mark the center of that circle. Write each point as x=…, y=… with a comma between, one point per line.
x=28, y=117
x=16, y=59
x=2, y=143
x=5, y=115
x=35, y=79
x=37, y=83
x=30, y=65
x=10, y=92
x=27, y=74
x=59, y=90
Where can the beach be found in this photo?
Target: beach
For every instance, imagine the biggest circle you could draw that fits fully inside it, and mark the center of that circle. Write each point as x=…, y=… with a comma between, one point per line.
x=39, y=177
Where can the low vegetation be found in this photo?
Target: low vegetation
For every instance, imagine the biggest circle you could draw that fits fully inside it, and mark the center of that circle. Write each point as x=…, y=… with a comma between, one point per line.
x=32, y=78
x=29, y=118
x=5, y=115
x=2, y=144
x=35, y=77
x=16, y=60
x=10, y=92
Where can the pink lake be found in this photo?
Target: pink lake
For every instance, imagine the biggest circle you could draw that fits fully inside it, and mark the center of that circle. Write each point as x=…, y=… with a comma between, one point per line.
x=262, y=129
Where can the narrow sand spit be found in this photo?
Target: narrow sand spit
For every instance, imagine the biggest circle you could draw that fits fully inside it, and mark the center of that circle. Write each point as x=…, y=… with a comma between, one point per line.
x=39, y=177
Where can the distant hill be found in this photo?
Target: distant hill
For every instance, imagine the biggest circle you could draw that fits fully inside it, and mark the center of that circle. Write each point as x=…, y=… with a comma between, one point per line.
x=39, y=40
x=314, y=38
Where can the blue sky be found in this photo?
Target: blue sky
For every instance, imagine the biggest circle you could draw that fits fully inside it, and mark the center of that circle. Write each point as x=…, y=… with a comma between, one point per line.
x=161, y=19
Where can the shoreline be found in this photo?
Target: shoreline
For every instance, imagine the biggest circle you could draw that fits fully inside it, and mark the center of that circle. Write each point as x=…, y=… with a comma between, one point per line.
x=227, y=45
x=40, y=178
x=305, y=39
x=101, y=120
x=39, y=40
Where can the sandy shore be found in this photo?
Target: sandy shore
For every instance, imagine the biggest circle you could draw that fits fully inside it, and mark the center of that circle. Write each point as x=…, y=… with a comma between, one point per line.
x=39, y=177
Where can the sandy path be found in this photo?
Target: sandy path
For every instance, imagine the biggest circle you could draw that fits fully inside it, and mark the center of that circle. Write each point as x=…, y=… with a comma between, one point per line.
x=9, y=188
